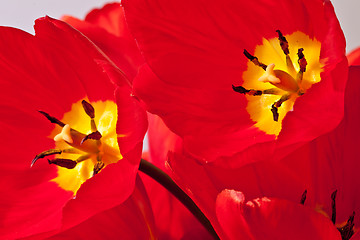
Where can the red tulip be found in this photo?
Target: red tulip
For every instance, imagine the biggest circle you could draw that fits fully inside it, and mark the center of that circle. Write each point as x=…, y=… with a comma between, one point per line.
x=195, y=53
x=63, y=74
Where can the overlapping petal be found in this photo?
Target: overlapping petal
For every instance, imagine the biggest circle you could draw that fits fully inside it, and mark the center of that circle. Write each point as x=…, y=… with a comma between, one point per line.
x=265, y=218
x=195, y=53
x=121, y=222
x=173, y=220
x=131, y=219
x=107, y=28
x=203, y=182
x=50, y=71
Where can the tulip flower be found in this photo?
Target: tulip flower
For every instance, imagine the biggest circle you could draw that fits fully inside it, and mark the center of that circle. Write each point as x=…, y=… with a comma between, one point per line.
x=64, y=103
x=205, y=60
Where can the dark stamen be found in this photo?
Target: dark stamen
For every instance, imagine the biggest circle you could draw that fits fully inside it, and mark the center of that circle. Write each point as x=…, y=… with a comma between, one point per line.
x=348, y=230
x=282, y=99
x=44, y=154
x=241, y=89
x=283, y=43
x=333, y=207
x=253, y=92
x=277, y=104
x=248, y=55
x=94, y=135
x=89, y=109
x=302, y=61
x=275, y=113
x=52, y=119
x=303, y=197
x=97, y=167
x=254, y=59
x=63, y=162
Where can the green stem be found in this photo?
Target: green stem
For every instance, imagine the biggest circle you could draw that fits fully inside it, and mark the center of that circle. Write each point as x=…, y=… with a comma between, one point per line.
x=161, y=177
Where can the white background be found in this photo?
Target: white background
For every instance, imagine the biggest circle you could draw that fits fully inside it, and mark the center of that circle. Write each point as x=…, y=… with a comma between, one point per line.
x=22, y=13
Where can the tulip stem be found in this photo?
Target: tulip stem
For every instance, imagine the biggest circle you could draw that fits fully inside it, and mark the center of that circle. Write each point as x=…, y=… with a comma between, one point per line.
x=161, y=177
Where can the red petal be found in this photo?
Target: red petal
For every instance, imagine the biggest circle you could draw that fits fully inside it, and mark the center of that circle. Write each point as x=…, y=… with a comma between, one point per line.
x=107, y=28
x=111, y=18
x=132, y=121
x=104, y=191
x=161, y=141
x=356, y=236
x=120, y=222
x=80, y=55
x=31, y=209
x=130, y=220
x=270, y=219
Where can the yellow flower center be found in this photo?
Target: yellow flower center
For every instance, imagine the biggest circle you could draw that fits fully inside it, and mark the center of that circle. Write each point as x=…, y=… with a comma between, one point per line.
x=283, y=81
x=84, y=143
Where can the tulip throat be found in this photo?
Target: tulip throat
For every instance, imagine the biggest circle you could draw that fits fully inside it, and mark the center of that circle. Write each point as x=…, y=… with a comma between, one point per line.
x=85, y=142
x=271, y=90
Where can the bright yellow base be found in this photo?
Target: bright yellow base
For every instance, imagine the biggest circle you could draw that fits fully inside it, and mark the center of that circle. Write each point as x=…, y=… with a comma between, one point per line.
x=105, y=119
x=259, y=107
